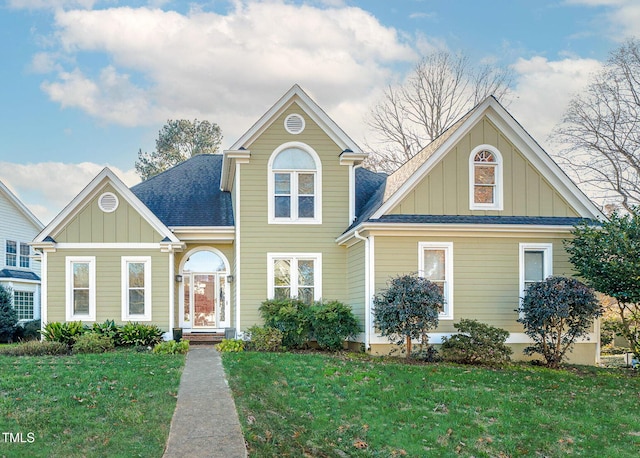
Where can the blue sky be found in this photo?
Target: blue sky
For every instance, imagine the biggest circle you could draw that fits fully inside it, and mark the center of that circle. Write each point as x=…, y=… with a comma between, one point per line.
x=87, y=83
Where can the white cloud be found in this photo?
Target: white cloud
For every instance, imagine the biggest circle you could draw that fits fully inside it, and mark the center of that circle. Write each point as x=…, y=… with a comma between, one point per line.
x=163, y=64
x=47, y=187
x=544, y=88
x=623, y=16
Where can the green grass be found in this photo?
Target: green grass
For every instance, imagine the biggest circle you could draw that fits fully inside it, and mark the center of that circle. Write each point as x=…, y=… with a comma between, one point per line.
x=318, y=405
x=116, y=404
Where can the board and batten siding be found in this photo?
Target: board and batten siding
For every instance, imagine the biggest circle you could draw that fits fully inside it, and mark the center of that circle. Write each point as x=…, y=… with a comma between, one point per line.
x=485, y=272
x=109, y=284
x=445, y=190
x=259, y=237
x=92, y=225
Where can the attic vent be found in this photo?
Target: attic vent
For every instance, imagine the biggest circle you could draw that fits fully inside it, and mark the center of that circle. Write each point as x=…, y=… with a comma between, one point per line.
x=294, y=123
x=108, y=202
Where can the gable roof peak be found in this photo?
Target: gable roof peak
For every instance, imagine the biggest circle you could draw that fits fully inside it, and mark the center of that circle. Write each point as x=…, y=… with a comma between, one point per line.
x=20, y=206
x=310, y=107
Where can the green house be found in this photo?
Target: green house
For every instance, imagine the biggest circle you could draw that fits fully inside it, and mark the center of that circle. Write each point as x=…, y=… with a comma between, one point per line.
x=290, y=211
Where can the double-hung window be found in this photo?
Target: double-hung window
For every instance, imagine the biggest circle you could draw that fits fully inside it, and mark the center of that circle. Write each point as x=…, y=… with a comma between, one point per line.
x=295, y=276
x=536, y=264
x=435, y=263
x=11, y=250
x=294, y=186
x=17, y=254
x=24, y=255
x=81, y=288
x=485, y=179
x=136, y=288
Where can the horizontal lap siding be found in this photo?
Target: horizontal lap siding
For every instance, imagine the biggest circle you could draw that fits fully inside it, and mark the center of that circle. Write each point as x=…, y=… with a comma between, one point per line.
x=258, y=237
x=485, y=273
x=108, y=284
x=356, y=284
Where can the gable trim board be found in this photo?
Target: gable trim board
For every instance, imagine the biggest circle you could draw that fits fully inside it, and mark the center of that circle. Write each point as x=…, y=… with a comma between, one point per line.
x=310, y=108
x=20, y=206
x=104, y=178
x=521, y=139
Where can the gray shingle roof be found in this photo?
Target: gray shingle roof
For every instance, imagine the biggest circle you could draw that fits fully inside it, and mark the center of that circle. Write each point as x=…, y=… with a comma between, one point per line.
x=189, y=194
x=18, y=274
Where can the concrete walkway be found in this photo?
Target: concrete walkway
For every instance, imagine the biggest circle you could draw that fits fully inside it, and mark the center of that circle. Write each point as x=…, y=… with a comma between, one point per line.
x=205, y=422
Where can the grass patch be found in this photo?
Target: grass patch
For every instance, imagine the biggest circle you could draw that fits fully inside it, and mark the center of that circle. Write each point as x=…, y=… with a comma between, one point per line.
x=314, y=405
x=100, y=405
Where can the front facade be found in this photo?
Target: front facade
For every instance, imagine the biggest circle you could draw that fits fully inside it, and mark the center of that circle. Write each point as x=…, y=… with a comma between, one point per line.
x=19, y=268
x=288, y=211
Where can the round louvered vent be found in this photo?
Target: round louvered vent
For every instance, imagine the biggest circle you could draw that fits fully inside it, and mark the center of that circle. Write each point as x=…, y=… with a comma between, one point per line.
x=108, y=202
x=294, y=123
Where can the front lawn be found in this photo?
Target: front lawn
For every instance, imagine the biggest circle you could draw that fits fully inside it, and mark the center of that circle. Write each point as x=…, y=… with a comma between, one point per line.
x=98, y=405
x=317, y=405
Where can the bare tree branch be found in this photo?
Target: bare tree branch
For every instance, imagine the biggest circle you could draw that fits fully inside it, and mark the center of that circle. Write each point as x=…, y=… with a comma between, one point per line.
x=440, y=90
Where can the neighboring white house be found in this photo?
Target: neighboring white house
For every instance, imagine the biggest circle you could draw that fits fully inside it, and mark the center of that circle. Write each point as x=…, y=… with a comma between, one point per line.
x=19, y=269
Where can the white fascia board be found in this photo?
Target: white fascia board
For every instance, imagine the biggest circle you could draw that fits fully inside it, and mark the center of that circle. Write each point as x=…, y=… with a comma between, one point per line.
x=22, y=207
x=522, y=140
x=106, y=176
x=543, y=162
x=224, y=234
x=472, y=230
x=311, y=108
x=426, y=167
x=229, y=160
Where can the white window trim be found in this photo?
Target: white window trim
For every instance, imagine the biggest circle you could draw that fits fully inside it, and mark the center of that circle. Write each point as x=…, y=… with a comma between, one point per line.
x=317, y=273
x=146, y=260
x=447, y=313
x=17, y=254
x=31, y=291
x=317, y=219
x=498, y=204
x=547, y=248
x=69, y=261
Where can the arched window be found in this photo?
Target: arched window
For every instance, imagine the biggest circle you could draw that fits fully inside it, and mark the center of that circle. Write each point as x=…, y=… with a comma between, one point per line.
x=294, y=185
x=485, y=179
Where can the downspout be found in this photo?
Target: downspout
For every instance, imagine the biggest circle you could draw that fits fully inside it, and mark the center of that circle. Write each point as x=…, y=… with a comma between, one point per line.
x=172, y=292
x=367, y=292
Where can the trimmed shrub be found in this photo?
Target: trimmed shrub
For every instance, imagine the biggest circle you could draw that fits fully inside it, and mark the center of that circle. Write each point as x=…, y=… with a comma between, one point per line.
x=332, y=323
x=35, y=348
x=555, y=313
x=477, y=343
x=92, y=342
x=63, y=332
x=8, y=315
x=231, y=345
x=292, y=317
x=171, y=347
x=264, y=338
x=407, y=309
